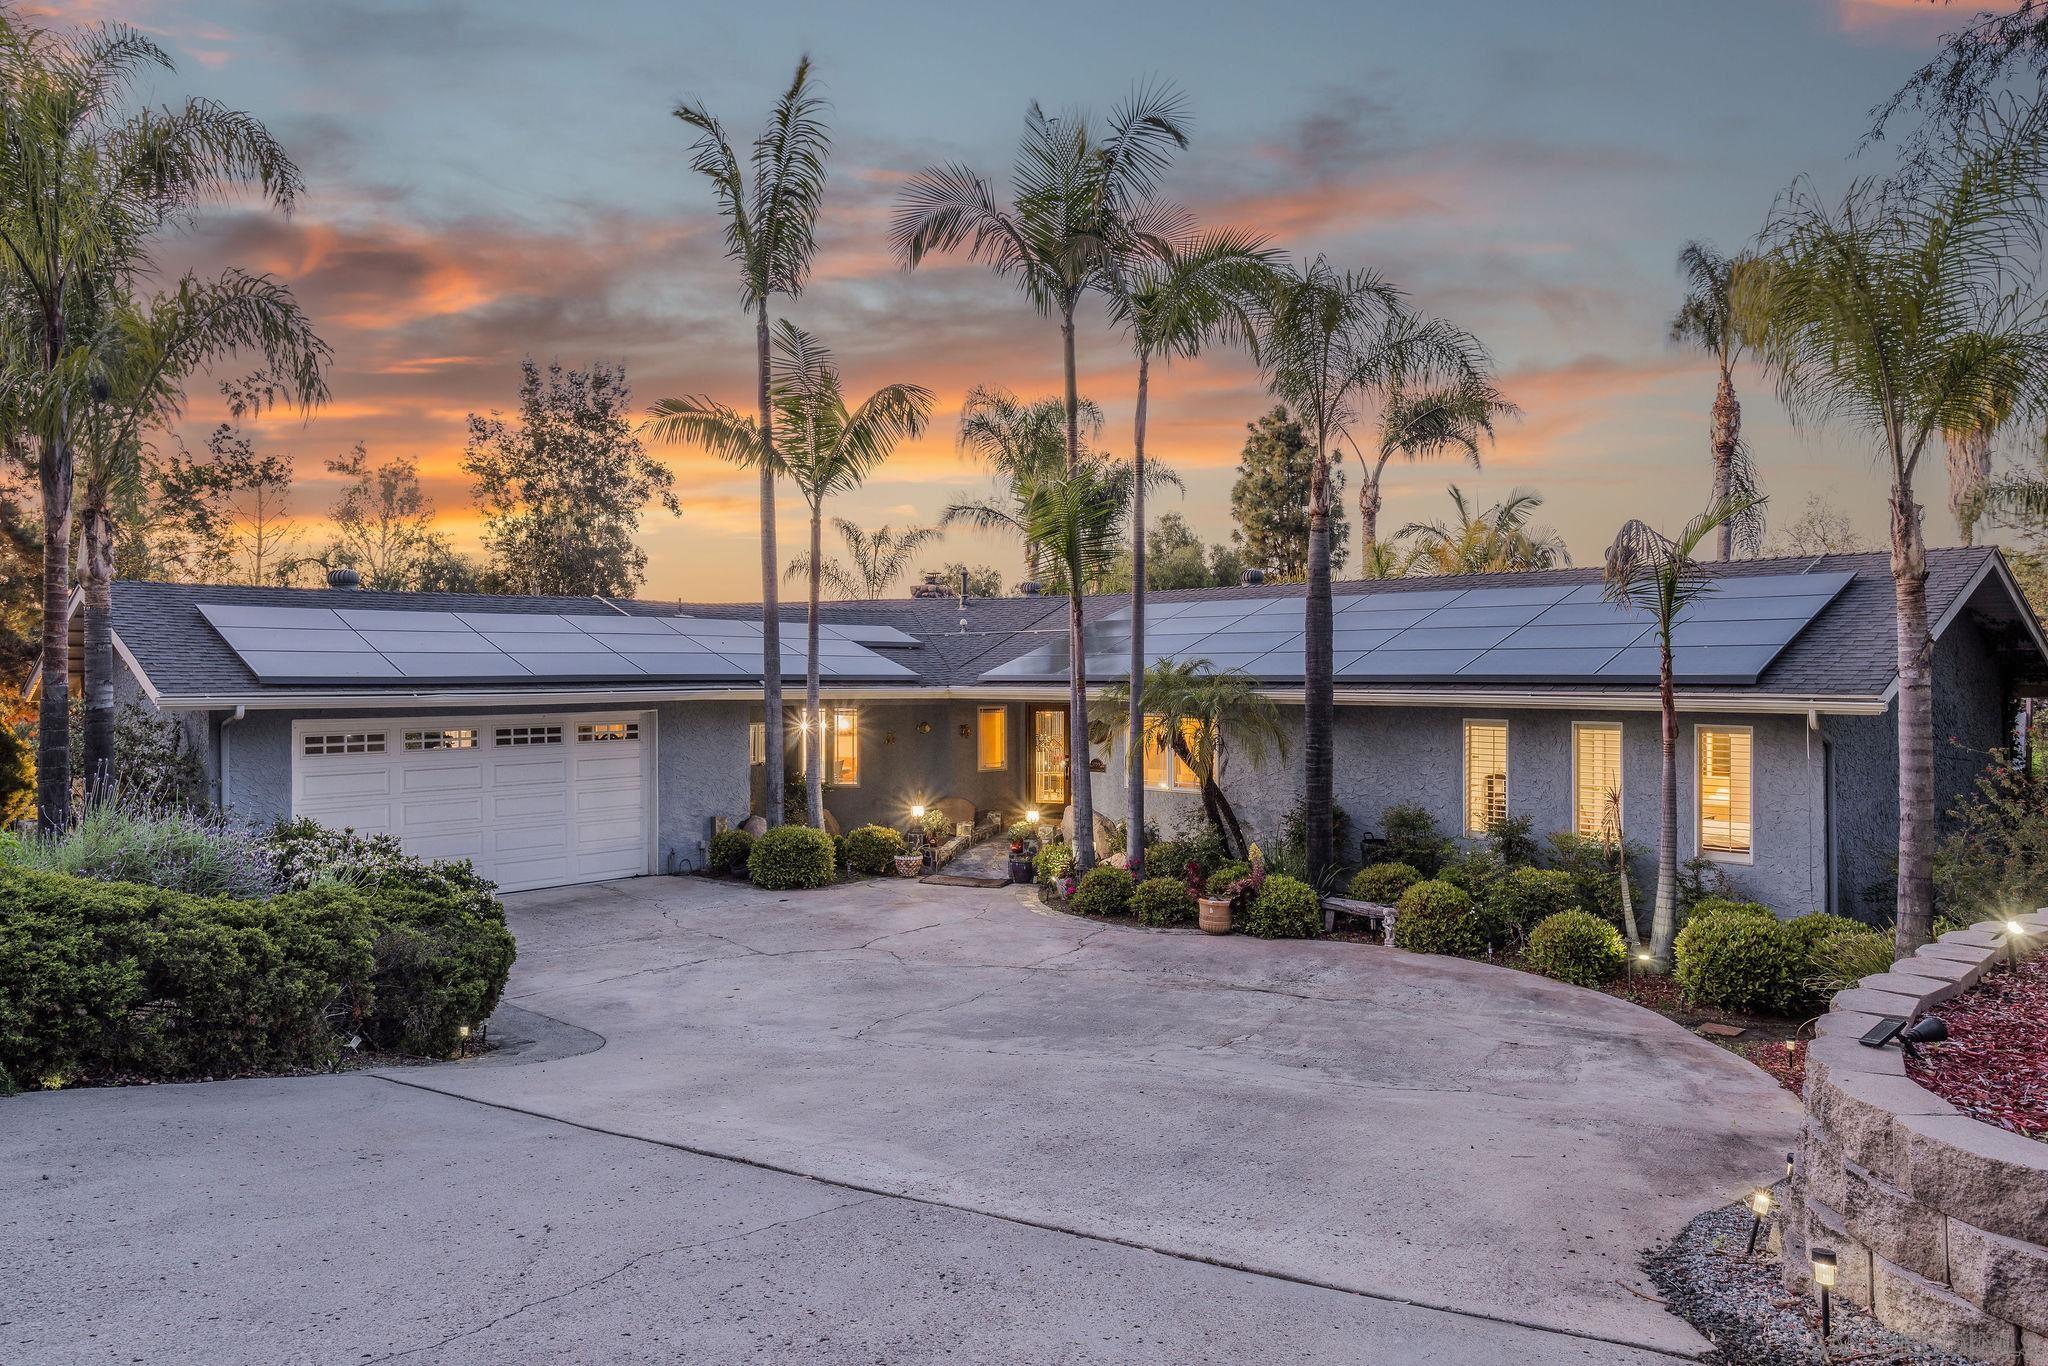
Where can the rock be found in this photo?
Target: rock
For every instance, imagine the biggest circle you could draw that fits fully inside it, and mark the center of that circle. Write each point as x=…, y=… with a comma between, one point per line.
x=1970, y=1171
x=1917, y=1307
x=756, y=826
x=1892, y=1225
x=2008, y=1277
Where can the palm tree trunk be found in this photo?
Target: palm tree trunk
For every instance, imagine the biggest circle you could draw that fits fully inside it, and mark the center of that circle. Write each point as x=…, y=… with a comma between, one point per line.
x=1134, y=779
x=1727, y=433
x=1915, y=922
x=1079, y=794
x=1664, y=915
x=1369, y=511
x=98, y=534
x=1318, y=700
x=53, y=722
x=771, y=622
x=814, y=756
x=1215, y=805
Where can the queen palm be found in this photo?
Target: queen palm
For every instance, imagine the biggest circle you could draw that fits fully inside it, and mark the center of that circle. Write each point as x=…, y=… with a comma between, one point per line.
x=1018, y=442
x=1967, y=444
x=1712, y=319
x=1315, y=326
x=771, y=233
x=1659, y=576
x=1080, y=212
x=1900, y=312
x=1495, y=540
x=84, y=188
x=1171, y=305
x=874, y=559
x=826, y=450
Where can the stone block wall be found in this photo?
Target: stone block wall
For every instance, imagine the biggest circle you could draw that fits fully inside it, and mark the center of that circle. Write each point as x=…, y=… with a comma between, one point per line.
x=1940, y=1221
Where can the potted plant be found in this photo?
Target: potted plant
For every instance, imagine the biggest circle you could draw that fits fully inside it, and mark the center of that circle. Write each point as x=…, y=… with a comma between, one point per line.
x=1023, y=848
x=911, y=864
x=1219, y=898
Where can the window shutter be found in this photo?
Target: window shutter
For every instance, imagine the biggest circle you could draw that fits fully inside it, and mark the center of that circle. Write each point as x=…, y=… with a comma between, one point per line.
x=1725, y=791
x=1486, y=775
x=1596, y=778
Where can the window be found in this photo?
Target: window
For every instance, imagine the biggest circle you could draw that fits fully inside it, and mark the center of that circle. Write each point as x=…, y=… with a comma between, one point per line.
x=345, y=744
x=757, y=742
x=842, y=757
x=529, y=735
x=992, y=739
x=1596, y=779
x=440, y=739
x=1486, y=775
x=1164, y=769
x=608, y=730
x=1723, y=754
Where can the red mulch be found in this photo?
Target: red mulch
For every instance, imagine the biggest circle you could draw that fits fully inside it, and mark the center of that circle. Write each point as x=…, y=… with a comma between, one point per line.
x=1994, y=1066
x=1784, y=1059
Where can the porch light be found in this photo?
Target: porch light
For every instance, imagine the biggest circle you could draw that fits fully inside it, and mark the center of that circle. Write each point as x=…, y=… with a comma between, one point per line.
x=917, y=812
x=1032, y=815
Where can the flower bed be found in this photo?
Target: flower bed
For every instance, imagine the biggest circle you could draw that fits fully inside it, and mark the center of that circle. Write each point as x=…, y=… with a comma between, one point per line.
x=1994, y=1066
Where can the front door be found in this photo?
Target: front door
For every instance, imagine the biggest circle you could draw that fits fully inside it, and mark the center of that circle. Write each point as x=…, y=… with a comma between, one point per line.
x=1049, y=757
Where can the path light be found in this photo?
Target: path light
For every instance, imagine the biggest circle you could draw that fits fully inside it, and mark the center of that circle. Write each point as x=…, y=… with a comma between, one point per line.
x=1824, y=1277
x=917, y=811
x=1759, y=1206
x=1788, y=1166
x=1032, y=815
x=2014, y=932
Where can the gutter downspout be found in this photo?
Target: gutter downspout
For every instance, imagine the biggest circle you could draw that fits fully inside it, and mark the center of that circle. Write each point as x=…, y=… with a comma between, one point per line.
x=1816, y=796
x=241, y=713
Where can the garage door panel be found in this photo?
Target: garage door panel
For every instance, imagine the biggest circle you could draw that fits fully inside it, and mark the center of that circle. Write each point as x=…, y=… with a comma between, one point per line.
x=345, y=784
x=612, y=766
x=529, y=772
x=614, y=801
x=368, y=818
x=450, y=846
x=443, y=814
x=529, y=806
x=549, y=840
x=427, y=776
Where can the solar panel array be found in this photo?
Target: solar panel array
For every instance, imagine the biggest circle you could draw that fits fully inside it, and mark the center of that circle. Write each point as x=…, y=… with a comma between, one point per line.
x=1541, y=634
x=371, y=645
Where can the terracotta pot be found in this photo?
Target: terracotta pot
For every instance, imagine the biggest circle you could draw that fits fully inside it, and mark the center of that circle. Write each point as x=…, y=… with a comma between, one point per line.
x=1215, y=914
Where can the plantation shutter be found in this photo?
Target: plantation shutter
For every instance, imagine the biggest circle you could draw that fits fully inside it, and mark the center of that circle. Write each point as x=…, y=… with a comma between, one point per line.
x=992, y=744
x=1486, y=775
x=1183, y=774
x=1155, y=752
x=1596, y=778
x=1725, y=781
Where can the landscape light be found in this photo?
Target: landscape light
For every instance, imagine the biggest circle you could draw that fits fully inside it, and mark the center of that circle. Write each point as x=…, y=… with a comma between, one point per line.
x=2013, y=927
x=1032, y=815
x=2014, y=932
x=1759, y=1206
x=917, y=811
x=462, y=1031
x=1824, y=1267
x=1932, y=1029
x=1788, y=1166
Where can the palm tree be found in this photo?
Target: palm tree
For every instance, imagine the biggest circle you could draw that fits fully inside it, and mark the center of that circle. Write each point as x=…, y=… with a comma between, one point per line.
x=1436, y=396
x=1497, y=540
x=1899, y=312
x=1018, y=442
x=771, y=232
x=1968, y=446
x=1226, y=713
x=140, y=357
x=83, y=190
x=1658, y=574
x=1080, y=214
x=1314, y=328
x=1712, y=319
x=1172, y=305
x=877, y=558
x=826, y=450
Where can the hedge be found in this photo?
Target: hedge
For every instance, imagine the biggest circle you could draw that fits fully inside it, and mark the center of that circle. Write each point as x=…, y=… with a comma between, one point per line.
x=1737, y=961
x=1436, y=917
x=1577, y=947
x=1383, y=883
x=1529, y=895
x=729, y=850
x=790, y=857
x=872, y=849
x=1285, y=908
x=1103, y=890
x=1162, y=901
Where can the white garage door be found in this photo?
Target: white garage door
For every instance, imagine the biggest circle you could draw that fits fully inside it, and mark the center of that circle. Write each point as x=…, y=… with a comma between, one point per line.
x=533, y=801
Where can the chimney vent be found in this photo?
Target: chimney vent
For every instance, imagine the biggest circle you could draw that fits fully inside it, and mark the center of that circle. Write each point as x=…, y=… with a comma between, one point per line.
x=344, y=577
x=1029, y=588
x=1252, y=576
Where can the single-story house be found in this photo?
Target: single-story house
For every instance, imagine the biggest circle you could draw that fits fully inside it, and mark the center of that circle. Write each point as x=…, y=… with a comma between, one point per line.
x=557, y=740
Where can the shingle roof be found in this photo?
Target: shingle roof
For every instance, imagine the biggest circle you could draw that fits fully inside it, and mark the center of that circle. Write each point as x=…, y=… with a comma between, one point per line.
x=1849, y=650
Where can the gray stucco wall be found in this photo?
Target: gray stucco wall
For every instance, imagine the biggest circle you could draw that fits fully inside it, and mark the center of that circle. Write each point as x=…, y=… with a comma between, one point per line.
x=902, y=766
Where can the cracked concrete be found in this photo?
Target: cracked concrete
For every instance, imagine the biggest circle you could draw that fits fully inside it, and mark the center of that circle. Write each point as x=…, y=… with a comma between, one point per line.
x=893, y=1121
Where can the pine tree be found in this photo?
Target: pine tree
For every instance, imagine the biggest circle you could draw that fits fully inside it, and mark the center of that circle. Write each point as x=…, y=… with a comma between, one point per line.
x=1270, y=499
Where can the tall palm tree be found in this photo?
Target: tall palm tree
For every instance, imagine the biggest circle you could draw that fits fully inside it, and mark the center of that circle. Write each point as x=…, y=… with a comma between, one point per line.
x=1658, y=575
x=1080, y=211
x=826, y=449
x=771, y=232
x=139, y=357
x=1901, y=311
x=1314, y=327
x=1204, y=714
x=1171, y=305
x=1713, y=320
x=84, y=188
x=1434, y=385
x=1967, y=444
x=1018, y=442
x=1498, y=539
x=875, y=559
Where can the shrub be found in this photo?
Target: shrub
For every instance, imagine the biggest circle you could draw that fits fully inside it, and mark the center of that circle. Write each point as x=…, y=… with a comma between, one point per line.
x=871, y=849
x=174, y=848
x=1162, y=901
x=1996, y=852
x=1708, y=907
x=1103, y=890
x=1285, y=908
x=1512, y=841
x=1591, y=866
x=839, y=864
x=1436, y=917
x=1577, y=947
x=791, y=856
x=1167, y=858
x=1203, y=843
x=1055, y=859
x=1383, y=883
x=1527, y=895
x=729, y=850
x=1022, y=832
x=1806, y=931
x=17, y=777
x=1842, y=959
x=155, y=764
x=1733, y=960
x=1225, y=877
x=1413, y=839
x=1473, y=872
x=937, y=826
x=1293, y=852
x=442, y=953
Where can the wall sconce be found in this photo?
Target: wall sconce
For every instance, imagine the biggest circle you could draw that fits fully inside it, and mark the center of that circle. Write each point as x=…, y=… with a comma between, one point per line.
x=924, y=728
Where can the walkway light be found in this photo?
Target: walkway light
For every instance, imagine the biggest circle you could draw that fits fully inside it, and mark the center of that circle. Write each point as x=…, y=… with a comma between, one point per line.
x=917, y=811
x=1824, y=1268
x=1759, y=1207
x=1032, y=815
x=2014, y=932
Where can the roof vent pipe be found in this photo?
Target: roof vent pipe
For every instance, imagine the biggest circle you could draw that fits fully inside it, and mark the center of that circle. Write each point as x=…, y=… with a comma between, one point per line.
x=1251, y=576
x=344, y=577
x=1029, y=588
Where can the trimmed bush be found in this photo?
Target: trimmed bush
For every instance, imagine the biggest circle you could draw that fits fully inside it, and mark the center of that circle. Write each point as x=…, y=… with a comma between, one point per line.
x=1577, y=947
x=1413, y=839
x=1053, y=861
x=1806, y=931
x=729, y=850
x=1710, y=906
x=1225, y=877
x=1203, y=843
x=1285, y=908
x=1528, y=895
x=790, y=857
x=1734, y=960
x=1846, y=957
x=1103, y=890
x=1162, y=901
x=872, y=849
x=1473, y=873
x=1436, y=917
x=1591, y=867
x=1166, y=858
x=1383, y=883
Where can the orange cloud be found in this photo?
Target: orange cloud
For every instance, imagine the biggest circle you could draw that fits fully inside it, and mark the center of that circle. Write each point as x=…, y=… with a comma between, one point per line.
x=1864, y=16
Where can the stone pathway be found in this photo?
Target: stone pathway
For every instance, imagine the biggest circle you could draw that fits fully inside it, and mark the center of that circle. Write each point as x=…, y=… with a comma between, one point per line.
x=986, y=864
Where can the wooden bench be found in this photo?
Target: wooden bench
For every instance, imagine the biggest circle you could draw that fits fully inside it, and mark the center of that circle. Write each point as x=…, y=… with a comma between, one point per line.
x=1379, y=916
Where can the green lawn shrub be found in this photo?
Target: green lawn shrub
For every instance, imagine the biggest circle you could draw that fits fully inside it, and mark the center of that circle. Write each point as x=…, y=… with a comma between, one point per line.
x=1285, y=908
x=729, y=850
x=791, y=857
x=175, y=848
x=1383, y=883
x=1103, y=890
x=872, y=849
x=1736, y=960
x=1710, y=906
x=1412, y=837
x=1437, y=917
x=1844, y=958
x=1525, y=896
x=1162, y=901
x=1577, y=947
x=1055, y=859
x=1168, y=859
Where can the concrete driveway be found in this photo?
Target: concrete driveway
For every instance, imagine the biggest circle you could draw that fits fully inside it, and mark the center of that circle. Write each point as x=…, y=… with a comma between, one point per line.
x=893, y=1122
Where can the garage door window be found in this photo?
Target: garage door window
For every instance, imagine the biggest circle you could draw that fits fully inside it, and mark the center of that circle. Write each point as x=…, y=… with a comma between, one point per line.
x=440, y=739
x=529, y=735
x=608, y=730
x=358, y=743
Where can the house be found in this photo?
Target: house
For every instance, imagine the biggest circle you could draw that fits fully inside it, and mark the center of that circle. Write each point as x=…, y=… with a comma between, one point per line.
x=557, y=740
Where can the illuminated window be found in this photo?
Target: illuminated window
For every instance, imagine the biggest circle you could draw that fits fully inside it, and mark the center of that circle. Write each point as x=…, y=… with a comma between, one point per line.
x=992, y=739
x=1725, y=787
x=608, y=730
x=1596, y=780
x=529, y=735
x=1164, y=769
x=757, y=742
x=1486, y=775
x=440, y=739
x=842, y=756
x=345, y=744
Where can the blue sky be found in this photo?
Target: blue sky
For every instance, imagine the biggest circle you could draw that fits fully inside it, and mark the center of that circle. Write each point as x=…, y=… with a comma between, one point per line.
x=493, y=180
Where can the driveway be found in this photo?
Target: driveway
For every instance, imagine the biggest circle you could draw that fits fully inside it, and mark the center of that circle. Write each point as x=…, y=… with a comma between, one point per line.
x=895, y=1122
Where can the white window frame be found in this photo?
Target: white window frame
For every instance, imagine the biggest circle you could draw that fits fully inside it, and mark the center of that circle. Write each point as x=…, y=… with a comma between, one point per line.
x=757, y=743
x=317, y=743
x=1620, y=734
x=1174, y=782
x=606, y=732
x=1699, y=811
x=828, y=722
x=981, y=714
x=1465, y=763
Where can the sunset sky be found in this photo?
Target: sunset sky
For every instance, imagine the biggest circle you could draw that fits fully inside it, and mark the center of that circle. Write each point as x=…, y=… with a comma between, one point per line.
x=492, y=180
